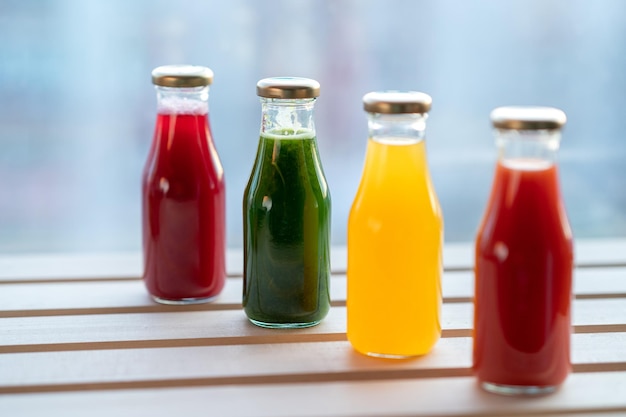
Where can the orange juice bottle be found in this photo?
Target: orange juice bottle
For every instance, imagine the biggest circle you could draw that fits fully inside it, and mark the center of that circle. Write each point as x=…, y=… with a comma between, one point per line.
x=395, y=234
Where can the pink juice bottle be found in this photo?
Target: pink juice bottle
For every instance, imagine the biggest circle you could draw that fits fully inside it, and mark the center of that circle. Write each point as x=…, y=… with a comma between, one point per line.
x=183, y=193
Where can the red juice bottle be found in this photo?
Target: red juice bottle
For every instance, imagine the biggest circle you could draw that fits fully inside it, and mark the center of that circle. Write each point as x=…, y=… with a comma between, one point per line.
x=183, y=193
x=524, y=261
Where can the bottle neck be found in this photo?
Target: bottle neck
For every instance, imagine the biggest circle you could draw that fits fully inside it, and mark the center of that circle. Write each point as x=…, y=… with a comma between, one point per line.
x=287, y=117
x=194, y=100
x=528, y=146
x=399, y=129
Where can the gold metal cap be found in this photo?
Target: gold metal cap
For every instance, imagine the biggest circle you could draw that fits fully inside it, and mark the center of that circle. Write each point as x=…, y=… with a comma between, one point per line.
x=528, y=118
x=288, y=87
x=182, y=76
x=396, y=102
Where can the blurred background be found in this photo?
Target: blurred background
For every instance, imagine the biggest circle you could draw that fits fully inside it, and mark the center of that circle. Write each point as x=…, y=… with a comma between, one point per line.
x=77, y=107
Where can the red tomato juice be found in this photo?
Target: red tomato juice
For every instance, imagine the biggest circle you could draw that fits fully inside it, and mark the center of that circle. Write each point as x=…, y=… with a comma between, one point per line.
x=524, y=261
x=183, y=211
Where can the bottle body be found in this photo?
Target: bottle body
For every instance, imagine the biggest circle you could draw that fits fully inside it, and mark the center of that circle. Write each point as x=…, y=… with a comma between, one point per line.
x=395, y=242
x=523, y=271
x=183, y=207
x=286, y=214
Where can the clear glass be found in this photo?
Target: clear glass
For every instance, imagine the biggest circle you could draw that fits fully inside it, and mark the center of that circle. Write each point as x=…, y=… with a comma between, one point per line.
x=183, y=202
x=192, y=100
x=396, y=128
x=286, y=217
x=287, y=117
x=395, y=243
x=517, y=146
x=523, y=271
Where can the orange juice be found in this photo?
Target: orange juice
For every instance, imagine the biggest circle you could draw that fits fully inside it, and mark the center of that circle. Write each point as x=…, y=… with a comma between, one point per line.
x=395, y=239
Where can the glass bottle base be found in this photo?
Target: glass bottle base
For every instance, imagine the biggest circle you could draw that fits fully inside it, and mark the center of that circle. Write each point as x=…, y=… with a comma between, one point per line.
x=518, y=390
x=390, y=355
x=183, y=301
x=284, y=325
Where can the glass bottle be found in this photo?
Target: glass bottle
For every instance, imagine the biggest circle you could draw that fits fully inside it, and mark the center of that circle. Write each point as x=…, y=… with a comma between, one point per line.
x=395, y=234
x=286, y=212
x=183, y=205
x=524, y=260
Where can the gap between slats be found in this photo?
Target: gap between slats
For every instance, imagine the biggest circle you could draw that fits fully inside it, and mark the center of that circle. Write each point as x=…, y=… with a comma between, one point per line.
x=128, y=297
x=444, y=397
x=589, y=253
x=347, y=376
x=244, y=340
x=237, y=275
x=213, y=307
x=246, y=365
x=243, y=380
x=123, y=330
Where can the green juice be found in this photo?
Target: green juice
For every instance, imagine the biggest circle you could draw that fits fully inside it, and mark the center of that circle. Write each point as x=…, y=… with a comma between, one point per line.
x=286, y=212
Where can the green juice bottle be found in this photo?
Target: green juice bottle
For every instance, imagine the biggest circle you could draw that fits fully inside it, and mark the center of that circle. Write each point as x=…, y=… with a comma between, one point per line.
x=286, y=213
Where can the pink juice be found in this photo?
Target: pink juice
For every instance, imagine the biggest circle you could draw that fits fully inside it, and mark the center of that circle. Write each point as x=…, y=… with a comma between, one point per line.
x=184, y=227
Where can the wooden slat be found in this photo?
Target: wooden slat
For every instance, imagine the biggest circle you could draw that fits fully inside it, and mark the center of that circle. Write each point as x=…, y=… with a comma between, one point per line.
x=83, y=267
x=253, y=364
x=453, y=396
x=590, y=282
x=587, y=253
x=201, y=328
x=68, y=267
x=460, y=256
x=80, y=336
x=99, y=297
x=217, y=365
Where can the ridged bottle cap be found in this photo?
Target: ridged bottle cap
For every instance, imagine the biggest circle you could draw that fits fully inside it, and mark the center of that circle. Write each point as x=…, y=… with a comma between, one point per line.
x=397, y=102
x=528, y=118
x=288, y=88
x=182, y=76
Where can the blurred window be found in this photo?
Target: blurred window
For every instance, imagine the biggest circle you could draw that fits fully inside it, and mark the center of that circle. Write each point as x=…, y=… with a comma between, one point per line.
x=77, y=107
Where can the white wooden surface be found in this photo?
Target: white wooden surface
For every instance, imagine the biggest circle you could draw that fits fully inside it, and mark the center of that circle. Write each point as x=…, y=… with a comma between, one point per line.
x=80, y=337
